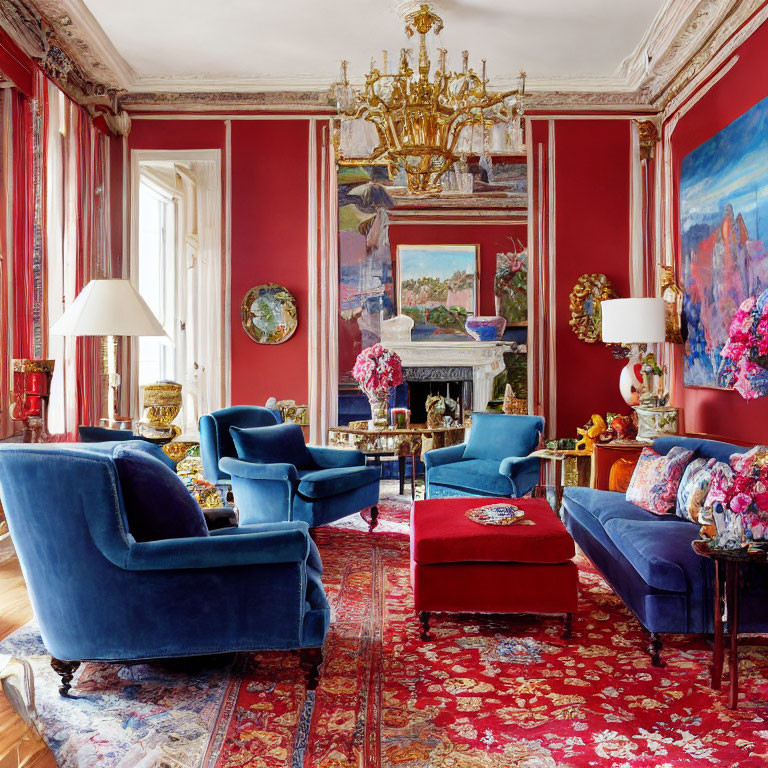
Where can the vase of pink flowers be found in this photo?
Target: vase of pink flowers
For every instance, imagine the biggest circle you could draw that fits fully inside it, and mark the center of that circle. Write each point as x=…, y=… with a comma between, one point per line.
x=739, y=499
x=377, y=370
x=746, y=352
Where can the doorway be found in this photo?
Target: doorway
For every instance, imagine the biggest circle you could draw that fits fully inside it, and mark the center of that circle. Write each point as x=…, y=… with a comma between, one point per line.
x=176, y=265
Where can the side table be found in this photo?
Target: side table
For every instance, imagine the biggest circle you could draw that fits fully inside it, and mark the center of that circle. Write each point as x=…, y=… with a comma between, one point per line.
x=731, y=561
x=568, y=468
x=406, y=443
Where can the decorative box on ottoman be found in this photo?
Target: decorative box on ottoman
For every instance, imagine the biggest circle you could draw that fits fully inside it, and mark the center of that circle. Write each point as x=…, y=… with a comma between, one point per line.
x=462, y=566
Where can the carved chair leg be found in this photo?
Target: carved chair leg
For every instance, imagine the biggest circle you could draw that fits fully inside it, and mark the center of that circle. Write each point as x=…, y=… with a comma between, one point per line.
x=654, y=649
x=374, y=518
x=568, y=626
x=66, y=670
x=424, y=621
x=311, y=661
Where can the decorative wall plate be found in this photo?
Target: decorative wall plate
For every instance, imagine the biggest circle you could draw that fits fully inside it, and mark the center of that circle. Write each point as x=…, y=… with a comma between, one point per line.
x=496, y=514
x=587, y=295
x=268, y=314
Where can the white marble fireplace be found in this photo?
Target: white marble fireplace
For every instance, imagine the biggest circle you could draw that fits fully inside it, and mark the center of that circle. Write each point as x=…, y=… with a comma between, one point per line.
x=485, y=358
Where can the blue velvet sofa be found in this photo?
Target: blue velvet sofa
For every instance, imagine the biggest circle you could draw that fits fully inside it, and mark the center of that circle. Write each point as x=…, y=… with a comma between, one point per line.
x=99, y=594
x=493, y=462
x=278, y=477
x=648, y=560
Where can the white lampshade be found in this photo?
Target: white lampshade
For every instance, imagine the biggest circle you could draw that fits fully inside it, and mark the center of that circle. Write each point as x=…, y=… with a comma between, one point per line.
x=633, y=321
x=108, y=308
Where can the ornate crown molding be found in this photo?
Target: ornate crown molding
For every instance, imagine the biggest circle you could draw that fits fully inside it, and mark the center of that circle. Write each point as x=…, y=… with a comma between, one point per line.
x=742, y=18
x=73, y=49
x=42, y=42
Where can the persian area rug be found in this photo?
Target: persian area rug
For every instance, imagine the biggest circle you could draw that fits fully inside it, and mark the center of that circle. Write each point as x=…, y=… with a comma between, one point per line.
x=481, y=693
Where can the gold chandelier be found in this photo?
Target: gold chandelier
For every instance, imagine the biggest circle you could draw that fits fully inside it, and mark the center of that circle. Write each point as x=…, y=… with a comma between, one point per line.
x=423, y=126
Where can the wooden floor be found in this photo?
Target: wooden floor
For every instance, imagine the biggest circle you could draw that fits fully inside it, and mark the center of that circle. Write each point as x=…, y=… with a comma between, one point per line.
x=15, y=611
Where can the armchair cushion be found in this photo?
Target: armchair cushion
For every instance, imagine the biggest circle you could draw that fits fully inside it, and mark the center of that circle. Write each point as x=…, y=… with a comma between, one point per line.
x=282, y=444
x=157, y=503
x=322, y=483
x=495, y=436
x=327, y=458
x=473, y=475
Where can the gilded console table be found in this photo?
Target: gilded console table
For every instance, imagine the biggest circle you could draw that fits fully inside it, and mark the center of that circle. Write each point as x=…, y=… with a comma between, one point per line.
x=403, y=443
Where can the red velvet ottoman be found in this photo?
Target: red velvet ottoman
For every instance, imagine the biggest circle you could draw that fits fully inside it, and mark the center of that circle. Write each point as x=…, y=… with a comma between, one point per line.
x=460, y=566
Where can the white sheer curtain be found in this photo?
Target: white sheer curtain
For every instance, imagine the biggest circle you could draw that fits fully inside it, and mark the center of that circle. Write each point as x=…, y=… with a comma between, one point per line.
x=61, y=234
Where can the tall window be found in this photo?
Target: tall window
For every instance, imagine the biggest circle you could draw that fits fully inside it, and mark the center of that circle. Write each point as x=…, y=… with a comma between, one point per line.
x=157, y=277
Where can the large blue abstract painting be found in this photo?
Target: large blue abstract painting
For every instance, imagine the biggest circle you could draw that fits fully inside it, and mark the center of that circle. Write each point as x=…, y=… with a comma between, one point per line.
x=723, y=223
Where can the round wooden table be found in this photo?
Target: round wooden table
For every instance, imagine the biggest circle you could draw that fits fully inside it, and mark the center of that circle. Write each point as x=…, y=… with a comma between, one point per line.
x=410, y=442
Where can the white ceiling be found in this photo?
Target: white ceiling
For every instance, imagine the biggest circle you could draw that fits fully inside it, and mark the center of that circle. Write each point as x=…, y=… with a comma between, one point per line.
x=260, y=45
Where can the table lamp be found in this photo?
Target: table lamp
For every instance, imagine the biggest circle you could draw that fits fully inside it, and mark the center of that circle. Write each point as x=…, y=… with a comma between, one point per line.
x=632, y=322
x=109, y=308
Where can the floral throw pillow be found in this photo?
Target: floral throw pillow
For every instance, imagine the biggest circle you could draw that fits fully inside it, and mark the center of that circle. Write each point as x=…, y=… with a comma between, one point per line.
x=694, y=487
x=656, y=479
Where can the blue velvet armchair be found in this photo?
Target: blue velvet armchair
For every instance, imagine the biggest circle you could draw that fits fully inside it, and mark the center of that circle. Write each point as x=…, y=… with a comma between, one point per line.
x=278, y=477
x=494, y=462
x=98, y=594
x=216, y=441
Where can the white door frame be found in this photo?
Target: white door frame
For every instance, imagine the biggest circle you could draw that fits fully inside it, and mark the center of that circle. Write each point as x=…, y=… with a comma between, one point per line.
x=137, y=156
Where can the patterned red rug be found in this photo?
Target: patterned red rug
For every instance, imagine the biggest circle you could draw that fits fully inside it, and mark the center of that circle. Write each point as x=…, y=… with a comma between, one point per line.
x=486, y=693
x=481, y=693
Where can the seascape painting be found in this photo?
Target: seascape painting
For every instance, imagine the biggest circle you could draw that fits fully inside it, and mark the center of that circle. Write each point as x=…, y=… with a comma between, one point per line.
x=437, y=289
x=723, y=225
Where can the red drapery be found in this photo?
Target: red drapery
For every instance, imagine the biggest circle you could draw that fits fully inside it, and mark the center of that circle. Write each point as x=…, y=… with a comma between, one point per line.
x=22, y=215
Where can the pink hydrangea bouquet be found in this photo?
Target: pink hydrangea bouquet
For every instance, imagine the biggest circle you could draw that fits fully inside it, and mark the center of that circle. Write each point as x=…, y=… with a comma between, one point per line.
x=377, y=370
x=746, y=352
x=742, y=491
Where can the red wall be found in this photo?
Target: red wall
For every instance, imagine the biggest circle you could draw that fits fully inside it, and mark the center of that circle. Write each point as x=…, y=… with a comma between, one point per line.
x=710, y=411
x=592, y=185
x=270, y=186
x=269, y=235
x=492, y=239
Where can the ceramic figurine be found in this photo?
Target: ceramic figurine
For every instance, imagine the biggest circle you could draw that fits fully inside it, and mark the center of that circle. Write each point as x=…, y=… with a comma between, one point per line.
x=590, y=433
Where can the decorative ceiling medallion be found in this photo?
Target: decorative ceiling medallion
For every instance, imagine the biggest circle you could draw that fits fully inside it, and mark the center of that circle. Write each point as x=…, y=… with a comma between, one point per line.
x=587, y=295
x=268, y=314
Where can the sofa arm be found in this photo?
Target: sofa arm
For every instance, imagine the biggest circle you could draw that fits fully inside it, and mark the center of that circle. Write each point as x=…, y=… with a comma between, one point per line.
x=331, y=458
x=438, y=456
x=250, y=470
x=522, y=471
x=284, y=543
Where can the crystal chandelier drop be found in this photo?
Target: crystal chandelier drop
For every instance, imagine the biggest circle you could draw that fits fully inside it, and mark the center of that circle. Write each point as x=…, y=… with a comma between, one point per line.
x=422, y=125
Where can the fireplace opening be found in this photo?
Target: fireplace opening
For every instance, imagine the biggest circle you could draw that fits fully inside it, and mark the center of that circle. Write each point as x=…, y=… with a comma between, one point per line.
x=453, y=382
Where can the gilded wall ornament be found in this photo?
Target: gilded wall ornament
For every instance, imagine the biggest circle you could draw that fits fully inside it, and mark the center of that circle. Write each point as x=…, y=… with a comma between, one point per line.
x=673, y=296
x=587, y=295
x=268, y=314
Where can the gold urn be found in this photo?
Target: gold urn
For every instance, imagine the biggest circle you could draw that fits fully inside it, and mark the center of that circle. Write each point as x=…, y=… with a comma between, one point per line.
x=162, y=403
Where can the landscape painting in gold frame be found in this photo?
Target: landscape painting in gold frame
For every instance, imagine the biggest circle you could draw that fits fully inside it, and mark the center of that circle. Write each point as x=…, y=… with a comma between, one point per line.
x=437, y=288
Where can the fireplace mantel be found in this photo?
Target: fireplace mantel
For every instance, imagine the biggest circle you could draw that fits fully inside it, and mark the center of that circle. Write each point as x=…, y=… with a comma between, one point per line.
x=486, y=358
